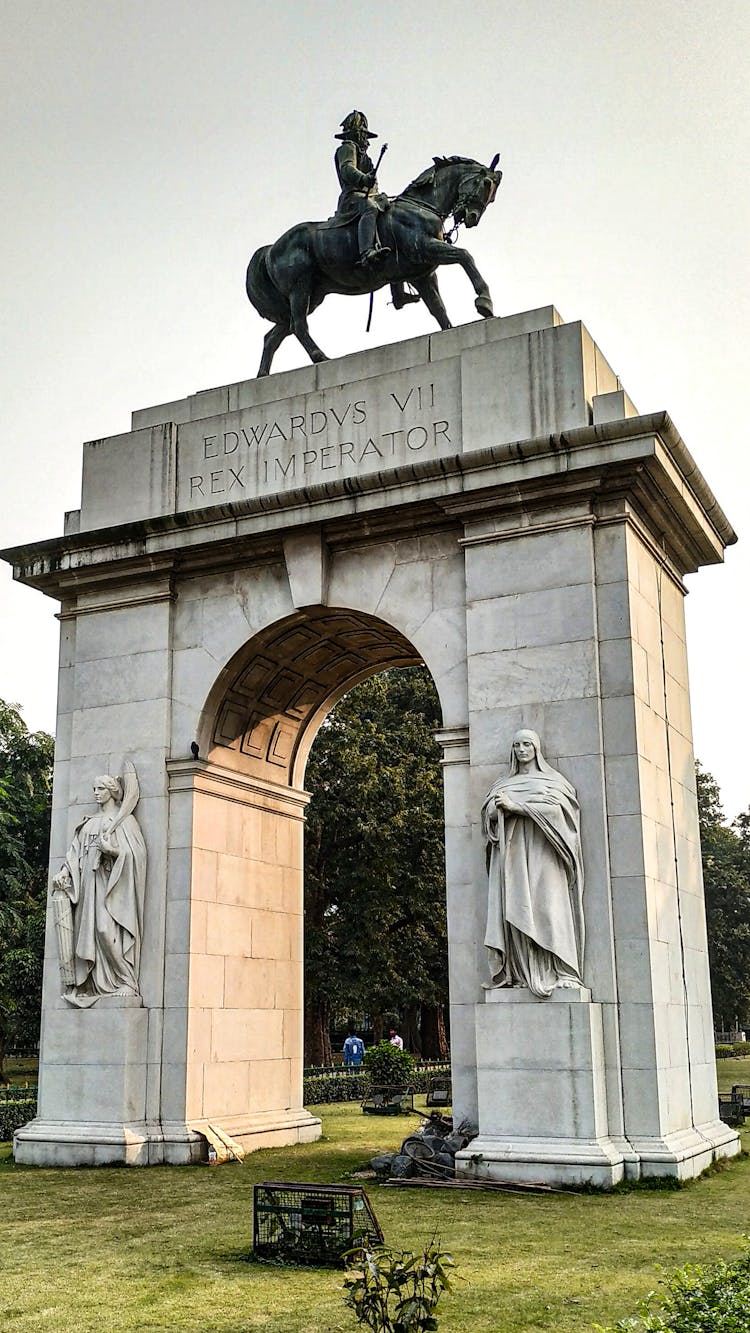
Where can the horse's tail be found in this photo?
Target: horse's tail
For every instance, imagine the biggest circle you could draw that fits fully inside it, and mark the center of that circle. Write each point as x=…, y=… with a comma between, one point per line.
x=261, y=290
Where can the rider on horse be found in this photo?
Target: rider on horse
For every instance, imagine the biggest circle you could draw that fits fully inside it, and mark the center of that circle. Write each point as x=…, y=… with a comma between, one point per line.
x=359, y=196
x=289, y=279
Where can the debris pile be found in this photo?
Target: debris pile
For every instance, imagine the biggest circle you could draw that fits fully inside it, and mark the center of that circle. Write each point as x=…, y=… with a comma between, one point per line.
x=429, y=1151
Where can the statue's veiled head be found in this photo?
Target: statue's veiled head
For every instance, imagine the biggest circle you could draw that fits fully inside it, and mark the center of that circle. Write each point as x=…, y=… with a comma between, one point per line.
x=527, y=757
x=526, y=748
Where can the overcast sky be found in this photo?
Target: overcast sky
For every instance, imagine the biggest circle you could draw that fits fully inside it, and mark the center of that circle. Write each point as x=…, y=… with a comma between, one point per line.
x=151, y=147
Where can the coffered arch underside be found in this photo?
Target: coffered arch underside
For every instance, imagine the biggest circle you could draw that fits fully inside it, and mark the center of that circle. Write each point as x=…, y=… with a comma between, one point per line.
x=267, y=705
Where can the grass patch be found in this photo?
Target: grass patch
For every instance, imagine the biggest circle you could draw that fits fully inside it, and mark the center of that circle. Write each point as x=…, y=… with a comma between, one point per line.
x=168, y=1247
x=733, y=1071
x=22, y=1068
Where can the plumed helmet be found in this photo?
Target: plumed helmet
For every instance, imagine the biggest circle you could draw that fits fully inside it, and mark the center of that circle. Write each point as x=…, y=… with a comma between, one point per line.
x=353, y=125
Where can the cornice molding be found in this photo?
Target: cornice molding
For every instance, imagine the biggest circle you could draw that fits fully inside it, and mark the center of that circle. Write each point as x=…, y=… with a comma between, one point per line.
x=642, y=457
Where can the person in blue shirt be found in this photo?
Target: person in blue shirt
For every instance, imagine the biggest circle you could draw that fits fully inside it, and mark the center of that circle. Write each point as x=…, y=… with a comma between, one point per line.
x=354, y=1050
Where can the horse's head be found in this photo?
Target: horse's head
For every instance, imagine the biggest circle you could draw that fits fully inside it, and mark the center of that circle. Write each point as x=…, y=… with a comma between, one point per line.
x=476, y=190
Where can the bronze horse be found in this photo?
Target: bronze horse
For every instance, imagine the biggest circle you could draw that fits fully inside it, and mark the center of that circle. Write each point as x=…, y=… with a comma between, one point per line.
x=286, y=281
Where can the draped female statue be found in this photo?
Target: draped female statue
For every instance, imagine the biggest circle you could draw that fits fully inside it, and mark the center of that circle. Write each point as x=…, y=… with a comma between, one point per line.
x=97, y=897
x=531, y=821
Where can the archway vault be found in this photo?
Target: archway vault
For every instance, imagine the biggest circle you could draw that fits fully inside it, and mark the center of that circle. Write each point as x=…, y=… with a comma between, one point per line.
x=265, y=708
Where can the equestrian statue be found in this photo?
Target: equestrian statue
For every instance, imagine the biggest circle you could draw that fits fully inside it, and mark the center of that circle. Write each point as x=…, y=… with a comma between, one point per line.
x=372, y=241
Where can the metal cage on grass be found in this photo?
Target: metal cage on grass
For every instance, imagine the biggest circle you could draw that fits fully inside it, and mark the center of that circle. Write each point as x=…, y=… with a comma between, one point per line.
x=310, y=1224
x=386, y=1099
x=439, y=1091
x=731, y=1110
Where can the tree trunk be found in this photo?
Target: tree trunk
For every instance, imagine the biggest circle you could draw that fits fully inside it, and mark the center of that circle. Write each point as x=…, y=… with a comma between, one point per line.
x=410, y=1033
x=434, y=1042
x=378, y=1027
x=317, y=1037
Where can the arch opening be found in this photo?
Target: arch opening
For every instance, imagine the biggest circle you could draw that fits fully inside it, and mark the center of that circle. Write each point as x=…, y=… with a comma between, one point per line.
x=245, y=980
x=267, y=705
x=374, y=879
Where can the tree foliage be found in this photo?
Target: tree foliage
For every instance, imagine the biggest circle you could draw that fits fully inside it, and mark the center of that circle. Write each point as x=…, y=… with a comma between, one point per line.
x=25, y=798
x=726, y=875
x=374, y=860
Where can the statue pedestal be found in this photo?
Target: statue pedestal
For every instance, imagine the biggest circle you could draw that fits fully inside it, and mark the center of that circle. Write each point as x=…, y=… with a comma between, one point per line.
x=542, y=1092
x=92, y=1087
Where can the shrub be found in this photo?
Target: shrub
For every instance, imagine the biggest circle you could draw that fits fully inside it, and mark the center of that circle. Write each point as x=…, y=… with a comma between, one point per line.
x=724, y=1051
x=419, y=1079
x=386, y=1064
x=697, y=1299
x=395, y=1291
x=741, y=1048
x=13, y=1115
x=344, y=1087
x=353, y=1085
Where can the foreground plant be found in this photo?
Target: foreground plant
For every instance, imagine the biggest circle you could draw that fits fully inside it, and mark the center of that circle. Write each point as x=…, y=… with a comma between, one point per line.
x=712, y=1298
x=396, y=1291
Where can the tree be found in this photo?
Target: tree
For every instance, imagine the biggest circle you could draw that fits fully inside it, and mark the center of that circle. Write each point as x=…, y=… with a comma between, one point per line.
x=25, y=799
x=374, y=862
x=726, y=876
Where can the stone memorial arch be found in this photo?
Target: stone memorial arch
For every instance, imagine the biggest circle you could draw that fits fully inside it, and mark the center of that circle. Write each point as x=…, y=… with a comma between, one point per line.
x=486, y=501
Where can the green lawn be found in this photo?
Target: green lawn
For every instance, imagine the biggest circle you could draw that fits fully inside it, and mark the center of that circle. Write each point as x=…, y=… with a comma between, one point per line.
x=22, y=1069
x=729, y=1072
x=167, y=1248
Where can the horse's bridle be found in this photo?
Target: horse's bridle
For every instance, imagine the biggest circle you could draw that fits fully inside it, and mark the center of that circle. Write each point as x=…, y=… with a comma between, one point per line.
x=466, y=193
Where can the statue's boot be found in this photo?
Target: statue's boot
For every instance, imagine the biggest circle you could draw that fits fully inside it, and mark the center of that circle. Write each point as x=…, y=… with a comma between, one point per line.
x=371, y=252
x=371, y=258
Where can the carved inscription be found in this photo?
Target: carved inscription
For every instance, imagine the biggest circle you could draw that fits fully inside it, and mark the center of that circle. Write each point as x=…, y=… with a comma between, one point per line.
x=274, y=448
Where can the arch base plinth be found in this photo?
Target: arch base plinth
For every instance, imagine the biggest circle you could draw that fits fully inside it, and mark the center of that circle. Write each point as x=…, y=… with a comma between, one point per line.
x=59, y=1143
